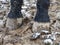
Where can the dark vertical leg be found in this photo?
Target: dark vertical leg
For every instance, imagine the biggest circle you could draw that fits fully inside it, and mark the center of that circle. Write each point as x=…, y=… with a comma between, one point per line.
x=42, y=11
x=14, y=13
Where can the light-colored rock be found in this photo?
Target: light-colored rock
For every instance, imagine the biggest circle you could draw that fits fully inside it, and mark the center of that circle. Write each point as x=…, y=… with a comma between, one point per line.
x=35, y=36
x=53, y=36
x=4, y=1
x=7, y=38
x=2, y=22
x=58, y=16
x=1, y=6
x=48, y=41
x=54, y=7
x=45, y=31
x=57, y=25
x=19, y=21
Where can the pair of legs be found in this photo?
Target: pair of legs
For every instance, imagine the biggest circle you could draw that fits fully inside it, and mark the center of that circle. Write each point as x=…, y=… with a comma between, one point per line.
x=15, y=12
x=41, y=14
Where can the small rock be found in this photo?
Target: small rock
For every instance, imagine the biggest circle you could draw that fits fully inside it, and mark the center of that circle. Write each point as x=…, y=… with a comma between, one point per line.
x=54, y=7
x=24, y=7
x=53, y=36
x=4, y=1
x=58, y=16
x=57, y=33
x=48, y=41
x=57, y=25
x=1, y=7
x=35, y=36
x=28, y=14
x=7, y=38
x=45, y=31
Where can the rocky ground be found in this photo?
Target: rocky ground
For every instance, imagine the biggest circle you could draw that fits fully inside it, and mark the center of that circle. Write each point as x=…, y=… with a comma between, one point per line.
x=21, y=36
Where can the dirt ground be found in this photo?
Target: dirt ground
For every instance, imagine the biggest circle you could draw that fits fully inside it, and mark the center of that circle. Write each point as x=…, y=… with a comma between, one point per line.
x=21, y=36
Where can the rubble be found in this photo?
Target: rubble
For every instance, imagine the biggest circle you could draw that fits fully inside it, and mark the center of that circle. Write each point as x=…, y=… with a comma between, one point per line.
x=58, y=16
x=35, y=36
x=4, y=1
x=7, y=38
x=45, y=31
x=48, y=41
x=45, y=35
x=53, y=36
x=2, y=23
x=57, y=33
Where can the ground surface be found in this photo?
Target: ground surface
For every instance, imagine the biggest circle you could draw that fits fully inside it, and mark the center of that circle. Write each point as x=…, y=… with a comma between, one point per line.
x=22, y=34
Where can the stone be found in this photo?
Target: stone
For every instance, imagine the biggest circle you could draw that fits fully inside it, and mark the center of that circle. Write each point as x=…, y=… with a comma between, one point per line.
x=53, y=37
x=45, y=31
x=7, y=39
x=1, y=7
x=54, y=7
x=35, y=36
x=28, y=14
x=24, y=7
x=2, y=22
x=46, y=41
x=57, y=25
x=58, y=16
x=26, y=2
x=57, y=33
x=4, y=1
x=19, y=21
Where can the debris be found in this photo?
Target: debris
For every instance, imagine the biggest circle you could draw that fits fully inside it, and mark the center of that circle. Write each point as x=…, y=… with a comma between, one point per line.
x=4, y=1
x=2, y=22
x=57, y=33
x=48, y=36
x=1, y=6
x=48, y=41
x=7, y=38
x=35, y=36
x=53, y=36
x=58, y=16
x=45, y=31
